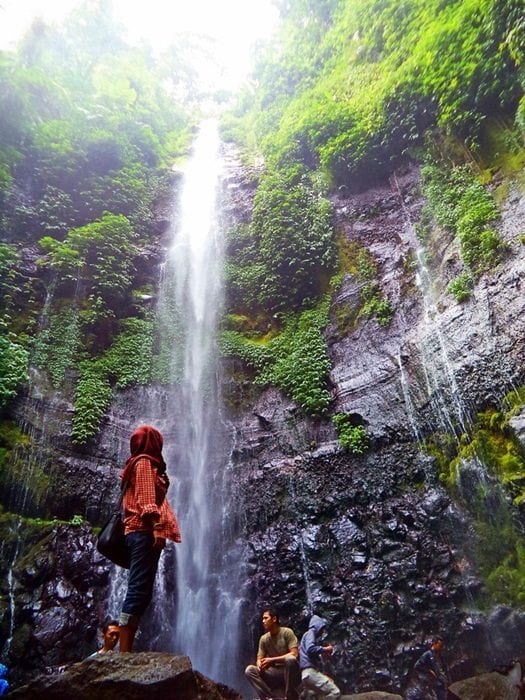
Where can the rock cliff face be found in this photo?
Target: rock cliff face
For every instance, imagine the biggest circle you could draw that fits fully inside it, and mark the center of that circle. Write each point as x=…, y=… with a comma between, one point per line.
x=375, y=543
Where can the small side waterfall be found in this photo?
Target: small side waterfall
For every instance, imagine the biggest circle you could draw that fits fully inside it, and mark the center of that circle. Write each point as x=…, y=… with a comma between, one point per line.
x=433, y=348
x=198, y=443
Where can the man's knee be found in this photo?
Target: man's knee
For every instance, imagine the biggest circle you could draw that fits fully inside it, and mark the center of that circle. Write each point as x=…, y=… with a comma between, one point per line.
x=291, y=661
x=251, y=671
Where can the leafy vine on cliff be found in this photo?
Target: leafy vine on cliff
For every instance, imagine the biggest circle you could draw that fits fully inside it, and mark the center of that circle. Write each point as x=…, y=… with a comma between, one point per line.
x=460, y=203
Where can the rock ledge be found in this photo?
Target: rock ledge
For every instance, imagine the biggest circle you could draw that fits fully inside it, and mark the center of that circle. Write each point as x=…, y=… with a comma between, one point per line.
x=132, y=676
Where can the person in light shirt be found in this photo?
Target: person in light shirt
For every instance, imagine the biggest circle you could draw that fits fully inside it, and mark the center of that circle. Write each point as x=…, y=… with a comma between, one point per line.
x=277, y=660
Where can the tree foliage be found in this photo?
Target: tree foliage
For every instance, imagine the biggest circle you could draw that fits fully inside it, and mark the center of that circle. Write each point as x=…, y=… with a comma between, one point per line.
x=89, y=129
x=350, y=86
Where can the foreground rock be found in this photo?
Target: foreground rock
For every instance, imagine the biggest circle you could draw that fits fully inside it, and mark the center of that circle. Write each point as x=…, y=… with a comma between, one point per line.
x=131, y=676
x=372, y=695
x=489, y=686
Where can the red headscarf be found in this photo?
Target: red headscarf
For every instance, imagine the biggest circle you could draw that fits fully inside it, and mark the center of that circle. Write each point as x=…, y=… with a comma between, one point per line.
x=145, y=441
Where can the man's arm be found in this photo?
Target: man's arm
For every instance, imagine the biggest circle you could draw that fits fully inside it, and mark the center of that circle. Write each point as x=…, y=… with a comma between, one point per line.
x=293, y=650
x=267, y=661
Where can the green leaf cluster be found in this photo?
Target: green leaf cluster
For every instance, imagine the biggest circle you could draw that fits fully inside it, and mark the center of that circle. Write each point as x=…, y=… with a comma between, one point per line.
x=8, y=272
x=99, y=254
x=295, y=360
x=233, y=344
x=128, y=361
x=351, y=437
x=375, y=304
x=460, y=203
x=14, y=361
x=299, y=363
x=55, y=348
x=89, y=124
x=92, y=399
x=282, y=260
x=461, y=287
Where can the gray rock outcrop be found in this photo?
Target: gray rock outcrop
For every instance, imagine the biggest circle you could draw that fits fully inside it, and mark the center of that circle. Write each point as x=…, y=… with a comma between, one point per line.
x=131, y=676
x=489, y=686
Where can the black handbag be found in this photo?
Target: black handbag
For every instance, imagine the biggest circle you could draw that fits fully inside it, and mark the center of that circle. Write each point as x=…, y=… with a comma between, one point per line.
x=111, y=542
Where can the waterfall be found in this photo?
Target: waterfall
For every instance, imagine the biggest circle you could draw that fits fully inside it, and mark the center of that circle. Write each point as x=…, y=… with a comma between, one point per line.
x=197, y=442
x=441, y=385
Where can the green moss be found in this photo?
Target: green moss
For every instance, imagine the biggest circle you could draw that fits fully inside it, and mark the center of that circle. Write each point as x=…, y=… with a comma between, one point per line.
x=11, y=435
x=361, y=264
x=500, y=555
x=501, y=148
x=19, y=472
x=346, y=318
x=497, y=447
x=443, y=447
x=499, y=547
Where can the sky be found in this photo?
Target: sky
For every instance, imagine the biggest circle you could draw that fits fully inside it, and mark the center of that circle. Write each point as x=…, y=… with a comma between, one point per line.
x=235, y=25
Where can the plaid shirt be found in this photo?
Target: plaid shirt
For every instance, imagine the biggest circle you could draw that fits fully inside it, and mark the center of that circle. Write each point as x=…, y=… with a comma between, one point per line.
x=142, y=497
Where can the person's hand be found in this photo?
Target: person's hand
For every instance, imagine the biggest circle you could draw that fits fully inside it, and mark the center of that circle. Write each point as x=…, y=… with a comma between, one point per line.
x=265, y=663
x=328, y=650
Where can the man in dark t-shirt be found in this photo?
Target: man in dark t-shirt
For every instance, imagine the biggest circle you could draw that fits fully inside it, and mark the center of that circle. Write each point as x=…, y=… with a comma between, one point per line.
x=277, y=665
x=429, y=677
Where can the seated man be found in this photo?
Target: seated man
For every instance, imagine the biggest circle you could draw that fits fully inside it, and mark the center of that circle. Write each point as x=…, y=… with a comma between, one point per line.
x=277, y=665
x=310, y=652
x=110, y=636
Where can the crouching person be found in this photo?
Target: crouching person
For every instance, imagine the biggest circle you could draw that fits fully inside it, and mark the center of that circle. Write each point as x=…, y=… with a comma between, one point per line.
x=310, y=652
x=277, y=665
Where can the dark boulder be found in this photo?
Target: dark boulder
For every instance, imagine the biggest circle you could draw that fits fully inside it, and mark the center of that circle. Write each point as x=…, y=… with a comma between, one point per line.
x=131, y=676
x=489, y=686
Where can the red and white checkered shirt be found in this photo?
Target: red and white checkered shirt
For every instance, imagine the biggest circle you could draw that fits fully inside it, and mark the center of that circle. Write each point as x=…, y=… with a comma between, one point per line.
x=142, y=512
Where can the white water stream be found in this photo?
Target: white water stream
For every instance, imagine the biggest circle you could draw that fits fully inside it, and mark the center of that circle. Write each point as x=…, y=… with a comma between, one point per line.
x=206, y=585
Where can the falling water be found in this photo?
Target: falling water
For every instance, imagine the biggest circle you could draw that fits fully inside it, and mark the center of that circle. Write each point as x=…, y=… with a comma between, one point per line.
x=441, y=385
x=439, y=372
x=11, y=590
x=198, y=455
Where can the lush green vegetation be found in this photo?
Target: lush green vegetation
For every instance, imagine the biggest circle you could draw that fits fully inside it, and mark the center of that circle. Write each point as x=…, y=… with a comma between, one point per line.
x=458, y=202
x=284, y=258
x=90, y=127
x=128, y=361
x=13, y=365
x=500, y=542
x=295, y=359
x=461, y=286
x=351, y=437
x=345, y=92
x=350, y=87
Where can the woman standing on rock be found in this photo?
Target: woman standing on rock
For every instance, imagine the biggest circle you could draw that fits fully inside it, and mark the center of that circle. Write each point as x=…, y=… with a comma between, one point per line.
x=149, y=522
